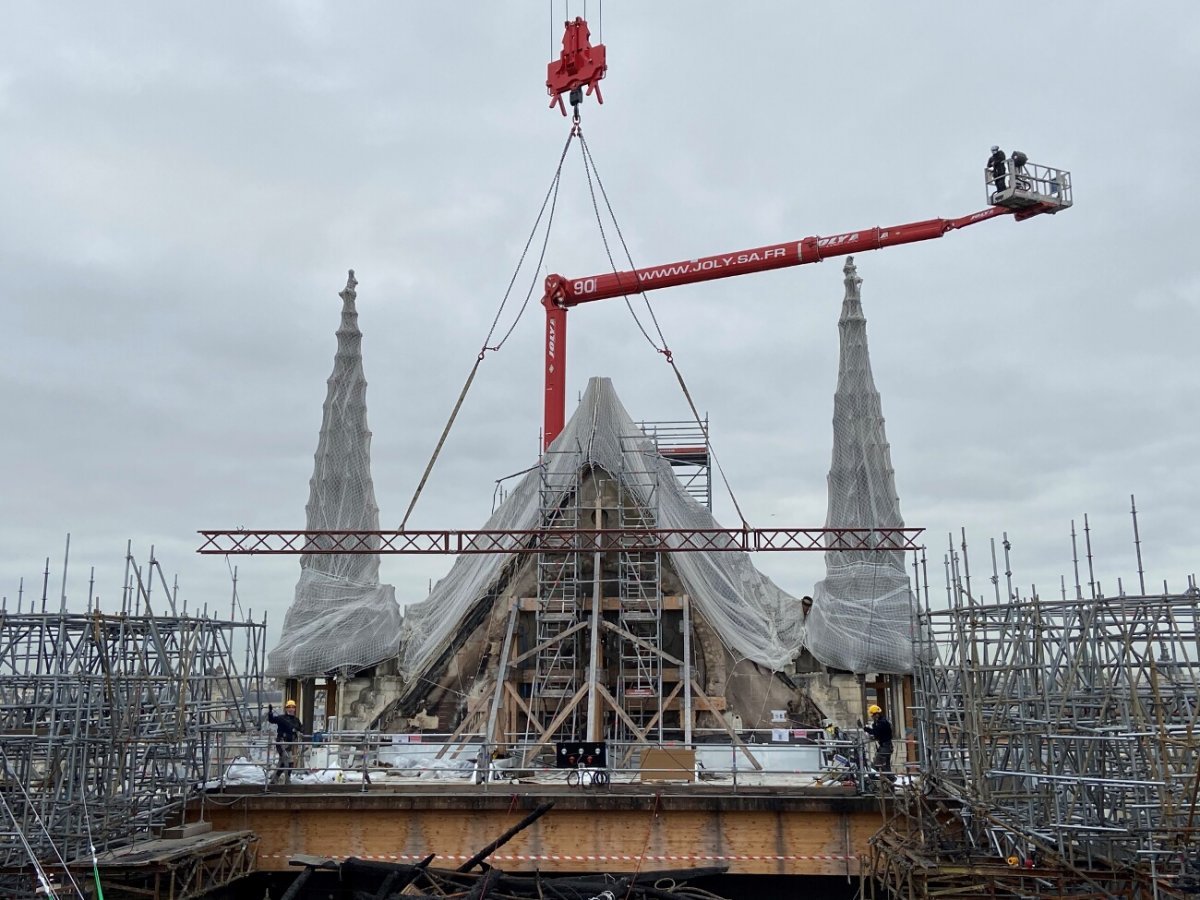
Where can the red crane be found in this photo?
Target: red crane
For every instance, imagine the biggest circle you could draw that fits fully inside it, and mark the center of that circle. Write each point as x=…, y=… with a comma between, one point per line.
x=1017, y=187
x=1043, y=190
x=1022, y=190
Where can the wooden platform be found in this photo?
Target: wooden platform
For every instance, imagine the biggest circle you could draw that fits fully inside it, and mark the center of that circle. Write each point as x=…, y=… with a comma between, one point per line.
x=177, y=869
x=778, y=831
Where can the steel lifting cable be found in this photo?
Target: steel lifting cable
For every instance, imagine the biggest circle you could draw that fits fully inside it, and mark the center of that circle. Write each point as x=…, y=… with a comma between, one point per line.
x=589, y=165
x=551, y=200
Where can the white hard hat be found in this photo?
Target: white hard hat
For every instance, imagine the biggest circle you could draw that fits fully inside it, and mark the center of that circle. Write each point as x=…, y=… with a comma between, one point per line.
x=995, y=147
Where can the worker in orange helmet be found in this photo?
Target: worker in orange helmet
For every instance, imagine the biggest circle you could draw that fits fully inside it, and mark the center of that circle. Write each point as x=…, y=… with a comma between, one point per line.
x=881, y=730
x=288, y=730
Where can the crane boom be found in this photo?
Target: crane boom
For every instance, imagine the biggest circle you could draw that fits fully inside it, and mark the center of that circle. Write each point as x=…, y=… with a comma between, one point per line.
x=567, y=293
x=561, y=293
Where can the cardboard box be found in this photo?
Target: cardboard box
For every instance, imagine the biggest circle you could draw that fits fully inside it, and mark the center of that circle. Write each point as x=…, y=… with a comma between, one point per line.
x=668, y=764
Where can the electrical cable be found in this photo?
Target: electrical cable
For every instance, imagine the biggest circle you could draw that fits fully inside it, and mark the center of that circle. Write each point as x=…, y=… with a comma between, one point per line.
x=645, y=846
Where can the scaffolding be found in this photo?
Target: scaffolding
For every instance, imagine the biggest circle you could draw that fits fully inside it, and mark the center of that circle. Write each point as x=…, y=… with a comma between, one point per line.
x=598, y=617
x=685, y=445
x=559, y=571
x=109, y=722
x=1059, y=744
x=640, y=681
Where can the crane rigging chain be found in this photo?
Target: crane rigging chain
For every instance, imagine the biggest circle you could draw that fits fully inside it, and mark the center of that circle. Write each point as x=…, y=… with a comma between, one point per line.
x=551, y=200
x=579, y=65
x=589, y=166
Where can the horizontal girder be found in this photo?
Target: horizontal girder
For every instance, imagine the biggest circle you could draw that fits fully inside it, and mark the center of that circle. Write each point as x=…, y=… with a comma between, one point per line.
x=562, y=540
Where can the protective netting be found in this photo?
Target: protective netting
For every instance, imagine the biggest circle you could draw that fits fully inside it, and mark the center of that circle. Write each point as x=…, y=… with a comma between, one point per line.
x=755, y=618
x=341, y=617
x=861, y=618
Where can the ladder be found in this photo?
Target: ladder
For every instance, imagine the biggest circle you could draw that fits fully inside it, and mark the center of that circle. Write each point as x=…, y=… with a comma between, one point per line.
x=558, y=663
x=640, y=681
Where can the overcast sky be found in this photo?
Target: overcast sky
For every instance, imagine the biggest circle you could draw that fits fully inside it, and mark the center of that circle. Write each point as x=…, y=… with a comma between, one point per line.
x=185, y=185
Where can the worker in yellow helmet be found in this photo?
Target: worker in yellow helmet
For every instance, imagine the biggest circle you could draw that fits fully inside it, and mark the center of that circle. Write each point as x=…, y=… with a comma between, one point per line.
x=288, y=730
x=881, y=730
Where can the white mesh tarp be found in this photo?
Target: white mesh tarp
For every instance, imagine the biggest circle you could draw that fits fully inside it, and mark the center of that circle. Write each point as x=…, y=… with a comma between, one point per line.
x=861, y=618
x=341, y=617
x=756, y=619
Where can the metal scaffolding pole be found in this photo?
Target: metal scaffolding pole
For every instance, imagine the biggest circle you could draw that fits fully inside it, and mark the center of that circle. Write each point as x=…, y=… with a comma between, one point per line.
x=109, y=723
x=1060, y=745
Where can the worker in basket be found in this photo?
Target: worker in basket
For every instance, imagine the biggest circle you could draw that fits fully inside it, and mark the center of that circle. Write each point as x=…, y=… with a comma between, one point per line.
x=999, y=167
x=288, y=731
x=881, y=730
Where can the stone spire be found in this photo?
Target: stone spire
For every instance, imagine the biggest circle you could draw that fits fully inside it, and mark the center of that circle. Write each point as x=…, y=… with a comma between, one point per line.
x=341, y=494
x=342, y=619
x=861, y=615
x=862, y=483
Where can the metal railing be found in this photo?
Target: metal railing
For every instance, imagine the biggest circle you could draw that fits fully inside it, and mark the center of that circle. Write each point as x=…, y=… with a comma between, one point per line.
x=1032, y=178
x=809, y=758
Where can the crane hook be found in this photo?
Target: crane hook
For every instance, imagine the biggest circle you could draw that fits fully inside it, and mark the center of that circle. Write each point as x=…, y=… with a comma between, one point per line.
x=576, y=97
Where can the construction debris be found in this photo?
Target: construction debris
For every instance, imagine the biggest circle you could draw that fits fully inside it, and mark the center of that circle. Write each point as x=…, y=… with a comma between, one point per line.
x=398, y=881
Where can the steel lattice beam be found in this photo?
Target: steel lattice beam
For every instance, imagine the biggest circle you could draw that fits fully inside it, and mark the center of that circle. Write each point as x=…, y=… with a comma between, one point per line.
x=550, y=540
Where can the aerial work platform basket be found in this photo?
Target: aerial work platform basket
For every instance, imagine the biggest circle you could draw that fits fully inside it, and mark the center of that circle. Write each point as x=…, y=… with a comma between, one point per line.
x=1026, y=185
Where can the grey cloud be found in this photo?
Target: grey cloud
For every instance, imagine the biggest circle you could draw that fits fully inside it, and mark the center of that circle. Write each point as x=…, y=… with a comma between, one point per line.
x=185, y=188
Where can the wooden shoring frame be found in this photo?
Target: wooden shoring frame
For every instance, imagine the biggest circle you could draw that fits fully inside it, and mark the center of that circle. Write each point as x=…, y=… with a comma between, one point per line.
x=561, y=717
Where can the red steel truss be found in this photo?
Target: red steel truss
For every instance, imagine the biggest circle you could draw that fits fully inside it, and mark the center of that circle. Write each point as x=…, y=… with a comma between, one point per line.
x=543, y=540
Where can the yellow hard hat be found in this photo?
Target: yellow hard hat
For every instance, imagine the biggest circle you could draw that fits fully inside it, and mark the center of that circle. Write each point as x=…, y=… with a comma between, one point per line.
x=873, y=710
x=289, y=703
